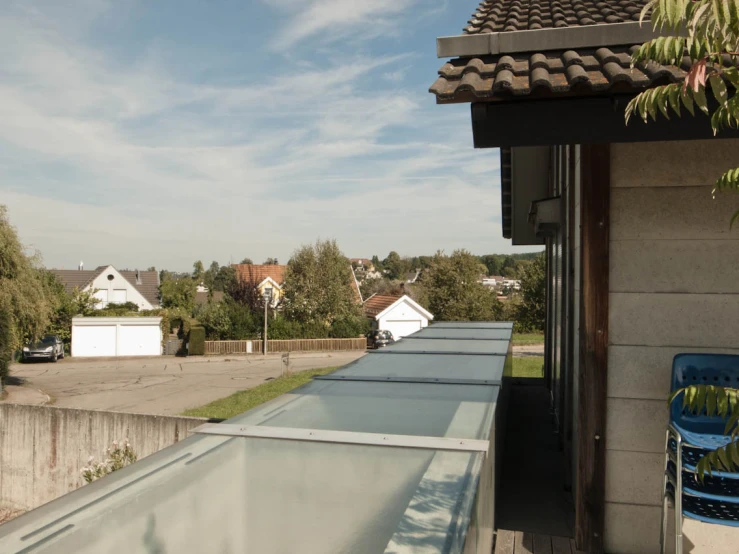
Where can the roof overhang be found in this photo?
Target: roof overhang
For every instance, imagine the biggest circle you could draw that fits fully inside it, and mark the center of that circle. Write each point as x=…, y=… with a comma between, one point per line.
x=542, y=40
x=557, y=121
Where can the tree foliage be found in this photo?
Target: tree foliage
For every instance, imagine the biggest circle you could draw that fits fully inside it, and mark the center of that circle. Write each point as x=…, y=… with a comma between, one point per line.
x=65, y=306
x=396, y=266
x=178, y=293
x=198, y=271
x=531, y=312
x=717, y=401
x=319, y=285
x=25, y=306
x=452, y=292
x=711, y=41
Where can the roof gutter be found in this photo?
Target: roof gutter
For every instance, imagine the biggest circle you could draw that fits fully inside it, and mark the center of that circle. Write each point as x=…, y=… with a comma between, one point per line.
x=540, y=40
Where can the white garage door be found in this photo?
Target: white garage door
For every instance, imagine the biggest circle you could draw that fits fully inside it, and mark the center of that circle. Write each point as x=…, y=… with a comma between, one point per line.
x=139, y=340
x=401, y=329
x=98, y=340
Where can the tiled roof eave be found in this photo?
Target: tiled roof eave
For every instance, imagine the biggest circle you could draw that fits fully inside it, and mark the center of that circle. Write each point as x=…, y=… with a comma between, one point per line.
x=582, y=72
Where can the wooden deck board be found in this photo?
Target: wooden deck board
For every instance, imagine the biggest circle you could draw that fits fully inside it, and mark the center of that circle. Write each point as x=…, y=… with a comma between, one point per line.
x=504, y=542
x=561, y=545
x=524, y=543
x=542, y=544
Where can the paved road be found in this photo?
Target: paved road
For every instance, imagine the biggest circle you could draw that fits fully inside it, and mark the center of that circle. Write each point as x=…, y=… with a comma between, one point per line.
x=164, y=385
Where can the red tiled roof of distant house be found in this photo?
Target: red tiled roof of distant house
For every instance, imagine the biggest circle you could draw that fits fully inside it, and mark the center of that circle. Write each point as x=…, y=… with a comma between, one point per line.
x=379, y=302
x=255, y=274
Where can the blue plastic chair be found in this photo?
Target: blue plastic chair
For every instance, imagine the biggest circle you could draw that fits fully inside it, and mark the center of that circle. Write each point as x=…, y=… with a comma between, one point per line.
x=689, y=437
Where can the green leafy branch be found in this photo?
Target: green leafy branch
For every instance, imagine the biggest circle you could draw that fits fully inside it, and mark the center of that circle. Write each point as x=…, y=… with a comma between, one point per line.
x=717, y=401
x=706, y=33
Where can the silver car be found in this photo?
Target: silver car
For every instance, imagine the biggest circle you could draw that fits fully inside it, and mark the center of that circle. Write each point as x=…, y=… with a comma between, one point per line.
x=49, y=348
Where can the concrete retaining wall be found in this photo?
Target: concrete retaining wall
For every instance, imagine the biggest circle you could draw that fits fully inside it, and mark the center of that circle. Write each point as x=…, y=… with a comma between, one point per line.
x=43, y=449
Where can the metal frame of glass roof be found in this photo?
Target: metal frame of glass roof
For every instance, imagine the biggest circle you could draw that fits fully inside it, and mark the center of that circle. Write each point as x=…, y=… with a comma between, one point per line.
x=395, y=453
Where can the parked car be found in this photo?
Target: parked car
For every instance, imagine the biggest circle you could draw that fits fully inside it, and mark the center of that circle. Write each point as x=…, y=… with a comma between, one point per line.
x=380, y=338
x=49, y=348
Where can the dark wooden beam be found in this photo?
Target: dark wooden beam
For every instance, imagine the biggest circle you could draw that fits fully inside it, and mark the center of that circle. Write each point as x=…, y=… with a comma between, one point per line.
x=593, y=366
x=590, y=120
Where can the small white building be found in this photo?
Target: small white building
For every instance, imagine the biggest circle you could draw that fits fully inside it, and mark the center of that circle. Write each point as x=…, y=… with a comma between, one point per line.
x=401, y=315
x=116, y=336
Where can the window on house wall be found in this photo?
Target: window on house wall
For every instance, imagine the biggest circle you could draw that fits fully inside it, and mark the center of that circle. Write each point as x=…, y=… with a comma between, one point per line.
x=119, y=296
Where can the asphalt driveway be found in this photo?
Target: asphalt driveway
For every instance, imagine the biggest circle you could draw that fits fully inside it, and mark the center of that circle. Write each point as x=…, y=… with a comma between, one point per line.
x=163, y=385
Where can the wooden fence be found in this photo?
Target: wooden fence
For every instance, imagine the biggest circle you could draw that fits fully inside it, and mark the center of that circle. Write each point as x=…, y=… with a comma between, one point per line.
x=275, y=346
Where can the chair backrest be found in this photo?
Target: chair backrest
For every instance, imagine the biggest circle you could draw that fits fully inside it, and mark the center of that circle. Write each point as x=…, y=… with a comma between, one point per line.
x=702, y=369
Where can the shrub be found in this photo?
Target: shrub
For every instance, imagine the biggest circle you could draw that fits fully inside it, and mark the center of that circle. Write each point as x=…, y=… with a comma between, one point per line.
x=349, y=327
x=196, y=341
x=117, y=457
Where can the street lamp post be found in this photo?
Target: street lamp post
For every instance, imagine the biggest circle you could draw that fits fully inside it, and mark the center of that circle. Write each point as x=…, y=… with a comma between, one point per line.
x=267, y=298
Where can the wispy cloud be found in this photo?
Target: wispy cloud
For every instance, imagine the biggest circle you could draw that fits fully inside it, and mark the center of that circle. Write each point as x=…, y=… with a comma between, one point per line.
x=124, y=161
x=331, y=20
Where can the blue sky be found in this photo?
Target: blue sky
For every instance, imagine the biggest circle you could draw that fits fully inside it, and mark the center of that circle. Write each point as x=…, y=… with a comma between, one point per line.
x=157, y=133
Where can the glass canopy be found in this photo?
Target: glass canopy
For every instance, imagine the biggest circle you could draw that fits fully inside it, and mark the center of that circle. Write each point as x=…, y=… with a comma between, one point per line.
x=239, y=493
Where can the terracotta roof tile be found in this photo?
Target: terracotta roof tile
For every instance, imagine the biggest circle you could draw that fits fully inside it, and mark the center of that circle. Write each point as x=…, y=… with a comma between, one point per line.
x=493, y=16
x=377, y=303
x=584, y=71
x=252, y=273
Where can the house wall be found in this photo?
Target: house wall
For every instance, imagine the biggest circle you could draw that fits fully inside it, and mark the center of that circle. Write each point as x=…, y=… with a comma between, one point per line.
x=398, y=319
x=674, y=287
x=277, y=291
x=107, y=287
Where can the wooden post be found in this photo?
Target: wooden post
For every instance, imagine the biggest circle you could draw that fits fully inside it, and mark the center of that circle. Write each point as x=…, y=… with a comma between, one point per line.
x=593, y=367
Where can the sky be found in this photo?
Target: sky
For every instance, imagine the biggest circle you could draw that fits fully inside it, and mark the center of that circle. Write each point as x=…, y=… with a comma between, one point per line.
x=139, y=133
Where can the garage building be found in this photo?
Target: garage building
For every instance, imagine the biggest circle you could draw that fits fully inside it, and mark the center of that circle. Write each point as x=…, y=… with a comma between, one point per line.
x=116, y=336
x=401, y=315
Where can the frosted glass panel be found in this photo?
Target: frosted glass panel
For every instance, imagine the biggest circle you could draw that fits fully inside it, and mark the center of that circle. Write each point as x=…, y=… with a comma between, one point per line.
x=267, y=496
x=421, y=365
x=431, y=410
x=431, y=346
x=460, y=333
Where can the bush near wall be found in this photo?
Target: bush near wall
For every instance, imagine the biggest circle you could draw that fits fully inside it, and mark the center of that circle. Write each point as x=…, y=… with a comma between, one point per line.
x=196, y=341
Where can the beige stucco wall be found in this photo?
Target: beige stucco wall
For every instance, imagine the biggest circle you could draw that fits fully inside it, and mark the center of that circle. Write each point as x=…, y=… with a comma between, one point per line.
x=674, y=287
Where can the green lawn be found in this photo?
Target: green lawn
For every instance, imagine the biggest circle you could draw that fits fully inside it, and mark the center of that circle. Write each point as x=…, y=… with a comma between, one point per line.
x=528, y=338
x=244, y=400
x=528, y=367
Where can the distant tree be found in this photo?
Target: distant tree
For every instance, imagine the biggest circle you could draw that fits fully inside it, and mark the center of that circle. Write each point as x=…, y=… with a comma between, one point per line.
x=151, y=268
x=377, y=263
x=424, y=261
x=215, y=317
x=379, y=286
x=223, y=279
x=198, y=270
x=65, y=306
x=452, y=291
x=318, y=285
x=247, y=261
x=531, y=313
x=178, y=293
x=509, y=272
x=25, y=306
x=246, y=293
x=209, y=277
x=271, y=261
x=396, y=266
